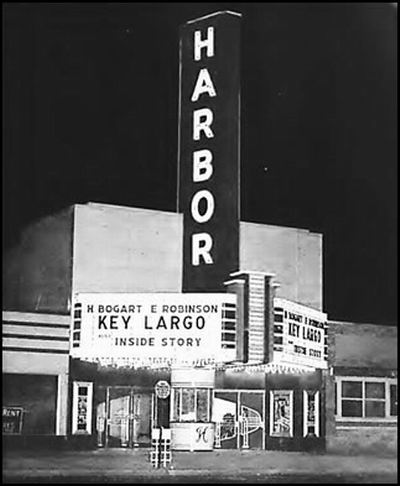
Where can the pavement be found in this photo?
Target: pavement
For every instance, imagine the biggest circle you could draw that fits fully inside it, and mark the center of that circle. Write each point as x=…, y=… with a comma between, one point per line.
x=127, y=465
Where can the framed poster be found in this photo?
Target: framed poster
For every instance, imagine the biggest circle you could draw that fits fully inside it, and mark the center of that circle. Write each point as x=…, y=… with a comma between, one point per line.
x=281, y=413
x=82, y=407
x=310, y=413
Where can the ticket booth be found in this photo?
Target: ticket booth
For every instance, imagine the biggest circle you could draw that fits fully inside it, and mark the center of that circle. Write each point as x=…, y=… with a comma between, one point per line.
x=191, y=423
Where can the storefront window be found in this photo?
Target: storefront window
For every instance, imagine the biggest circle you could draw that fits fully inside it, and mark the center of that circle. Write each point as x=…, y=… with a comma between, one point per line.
x=368, y=398
x=351, y=389
x=374, y=390
x=351, y=408
x=393, y=400
x=191, y=405
x=29, y=404
x=374, y=409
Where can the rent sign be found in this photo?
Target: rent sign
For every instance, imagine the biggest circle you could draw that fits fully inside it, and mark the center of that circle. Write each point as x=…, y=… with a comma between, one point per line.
x=147, y=329
x=12, y=419
x=209, y=130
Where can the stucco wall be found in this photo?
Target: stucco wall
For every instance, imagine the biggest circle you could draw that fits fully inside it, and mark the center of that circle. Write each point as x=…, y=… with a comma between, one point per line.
x=377, y=441
x=364, y=345
x=121, y=249
x=294, y=255
x=37, y=271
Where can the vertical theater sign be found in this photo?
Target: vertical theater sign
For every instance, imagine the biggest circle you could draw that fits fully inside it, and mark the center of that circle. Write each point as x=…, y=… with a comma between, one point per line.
x=208, y=152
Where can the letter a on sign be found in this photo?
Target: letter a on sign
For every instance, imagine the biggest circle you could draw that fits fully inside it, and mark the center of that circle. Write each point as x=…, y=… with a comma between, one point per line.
x=209, y=158
x=203, y=85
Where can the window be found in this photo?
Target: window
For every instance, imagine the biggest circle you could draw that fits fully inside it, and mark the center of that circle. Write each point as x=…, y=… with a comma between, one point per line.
x=393, y=400
x=336, y=395
x=367, y=398
x=191, y=404
x=29, y=404
x=77, y=324
x=228, y=336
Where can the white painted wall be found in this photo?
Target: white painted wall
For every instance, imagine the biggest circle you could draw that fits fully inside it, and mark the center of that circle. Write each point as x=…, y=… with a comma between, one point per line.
x=121, y=249
x=293, y=254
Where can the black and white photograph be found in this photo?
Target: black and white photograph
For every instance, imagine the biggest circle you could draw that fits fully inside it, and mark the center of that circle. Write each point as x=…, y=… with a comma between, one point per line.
x=199, y=242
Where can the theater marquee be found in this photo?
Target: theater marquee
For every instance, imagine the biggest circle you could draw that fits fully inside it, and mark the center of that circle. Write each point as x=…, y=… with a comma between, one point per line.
x=300, y=335
x=152, y=329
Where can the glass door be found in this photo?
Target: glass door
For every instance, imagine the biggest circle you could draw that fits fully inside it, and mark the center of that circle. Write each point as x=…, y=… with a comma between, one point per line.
x=141, y=419
x=119, y=410
x=225, y=416
x=251, y=419
x=239, y=418
x=123, y=417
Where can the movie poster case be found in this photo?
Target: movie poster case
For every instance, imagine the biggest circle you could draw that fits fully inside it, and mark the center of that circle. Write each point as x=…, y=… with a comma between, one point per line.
x=281, y=413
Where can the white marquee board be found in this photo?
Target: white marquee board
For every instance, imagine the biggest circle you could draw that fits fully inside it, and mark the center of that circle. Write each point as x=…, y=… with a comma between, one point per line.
x=146, y=329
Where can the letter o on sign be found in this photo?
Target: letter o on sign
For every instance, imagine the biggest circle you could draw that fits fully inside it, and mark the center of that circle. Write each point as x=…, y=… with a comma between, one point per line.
x=162, y=389
x=204, y=194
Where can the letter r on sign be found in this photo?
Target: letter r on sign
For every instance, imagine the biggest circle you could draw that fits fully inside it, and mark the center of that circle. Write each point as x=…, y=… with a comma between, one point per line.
x=202, y=120
x=201, y=247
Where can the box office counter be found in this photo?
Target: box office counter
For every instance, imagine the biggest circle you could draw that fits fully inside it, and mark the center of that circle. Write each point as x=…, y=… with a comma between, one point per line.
x=191, y=409
x=192, y=436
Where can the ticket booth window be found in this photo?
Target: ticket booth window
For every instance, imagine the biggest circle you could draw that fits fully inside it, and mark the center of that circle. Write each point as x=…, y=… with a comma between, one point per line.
x=191, y=404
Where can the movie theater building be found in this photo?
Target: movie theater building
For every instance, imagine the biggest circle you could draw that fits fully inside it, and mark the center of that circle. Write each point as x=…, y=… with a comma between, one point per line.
x=193, y=320
x=93, y=253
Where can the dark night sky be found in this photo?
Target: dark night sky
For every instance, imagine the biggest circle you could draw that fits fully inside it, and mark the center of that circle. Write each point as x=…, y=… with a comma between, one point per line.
x=90, y=114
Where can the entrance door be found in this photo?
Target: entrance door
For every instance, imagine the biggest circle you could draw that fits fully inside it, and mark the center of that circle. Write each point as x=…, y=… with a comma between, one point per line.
x=141, y=419
x=123, y=417
x=240, y=419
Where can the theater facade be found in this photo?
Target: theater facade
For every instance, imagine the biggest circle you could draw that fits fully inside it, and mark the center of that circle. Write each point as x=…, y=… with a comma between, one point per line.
x=99, y=288
x=119, y=320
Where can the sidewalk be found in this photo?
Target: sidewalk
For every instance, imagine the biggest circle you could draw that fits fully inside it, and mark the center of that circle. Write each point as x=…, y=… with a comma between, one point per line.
x=105, y=463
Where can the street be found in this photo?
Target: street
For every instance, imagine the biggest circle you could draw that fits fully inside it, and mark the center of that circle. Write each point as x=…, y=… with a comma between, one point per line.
x=215, y=478
x=224, y=466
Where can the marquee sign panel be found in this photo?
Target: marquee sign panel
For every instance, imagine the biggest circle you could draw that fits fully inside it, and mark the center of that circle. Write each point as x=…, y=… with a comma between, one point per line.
x=300, y=335
x=150, y=329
